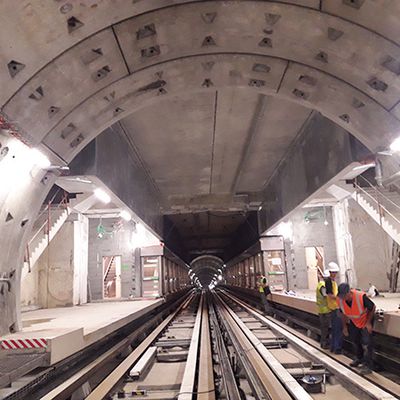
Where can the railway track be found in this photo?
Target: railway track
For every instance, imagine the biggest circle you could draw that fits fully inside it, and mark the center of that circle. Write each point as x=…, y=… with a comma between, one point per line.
x=215, y=346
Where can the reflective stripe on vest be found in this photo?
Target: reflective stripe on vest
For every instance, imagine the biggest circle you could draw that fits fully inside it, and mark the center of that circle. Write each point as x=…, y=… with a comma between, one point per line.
x=322, y=303
x=357, y=312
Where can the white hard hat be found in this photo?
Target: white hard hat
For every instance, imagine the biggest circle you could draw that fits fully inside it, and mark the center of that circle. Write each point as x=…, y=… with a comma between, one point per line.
x=333, y=267
x=325, y=273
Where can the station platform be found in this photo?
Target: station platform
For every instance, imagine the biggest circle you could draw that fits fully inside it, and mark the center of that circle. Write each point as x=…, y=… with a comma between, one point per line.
x=61, y=332
x=304, y=300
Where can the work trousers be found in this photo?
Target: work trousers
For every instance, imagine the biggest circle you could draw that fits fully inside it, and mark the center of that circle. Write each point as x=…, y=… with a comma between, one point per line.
x=325, y=320
x=363, y=344
x=264, y=302
x=336, y=331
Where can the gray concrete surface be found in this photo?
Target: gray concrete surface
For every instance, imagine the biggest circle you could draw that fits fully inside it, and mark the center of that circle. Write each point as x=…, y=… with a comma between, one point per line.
x=240, y=76
x=117, y=244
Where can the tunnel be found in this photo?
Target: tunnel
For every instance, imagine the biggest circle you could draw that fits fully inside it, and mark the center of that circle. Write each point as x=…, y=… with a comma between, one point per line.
x=154, y=148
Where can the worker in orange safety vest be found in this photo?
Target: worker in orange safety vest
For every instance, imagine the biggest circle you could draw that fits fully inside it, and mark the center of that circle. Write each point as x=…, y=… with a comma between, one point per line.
x=358, y=312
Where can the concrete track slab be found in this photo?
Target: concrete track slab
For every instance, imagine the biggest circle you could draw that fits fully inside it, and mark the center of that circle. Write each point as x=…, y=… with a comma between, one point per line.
x=183, y=333
x=335, y=392
x=64, y=331
x=265, y=333
x=290, y=358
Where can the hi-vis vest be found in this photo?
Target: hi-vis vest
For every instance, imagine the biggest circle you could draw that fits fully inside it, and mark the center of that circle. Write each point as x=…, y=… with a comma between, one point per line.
x=322, y=301
x=261, y=284
x=357, y=312
x=332, y=304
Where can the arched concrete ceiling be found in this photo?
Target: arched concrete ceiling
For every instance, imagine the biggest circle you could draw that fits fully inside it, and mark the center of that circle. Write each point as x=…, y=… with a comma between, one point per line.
x=80, y=66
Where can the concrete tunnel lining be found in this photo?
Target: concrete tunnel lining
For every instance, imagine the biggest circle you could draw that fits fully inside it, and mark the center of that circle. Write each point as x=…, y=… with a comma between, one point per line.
x=83, y=112
x=206, y=267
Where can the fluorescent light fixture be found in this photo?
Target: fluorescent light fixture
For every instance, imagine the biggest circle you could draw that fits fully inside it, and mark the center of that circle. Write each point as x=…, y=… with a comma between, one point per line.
x=220, y=277
x=102, y=195
x=126, y=215
x=395, y=146
x=39, y=159
x=364, y=166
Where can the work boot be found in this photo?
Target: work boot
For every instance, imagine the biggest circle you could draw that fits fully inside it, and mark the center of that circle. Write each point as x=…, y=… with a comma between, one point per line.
x=355, y=363
x=365, y=370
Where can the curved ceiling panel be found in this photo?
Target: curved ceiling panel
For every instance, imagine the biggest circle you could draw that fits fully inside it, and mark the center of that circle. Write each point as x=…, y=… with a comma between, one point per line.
x=342, y=103
x=344, y=70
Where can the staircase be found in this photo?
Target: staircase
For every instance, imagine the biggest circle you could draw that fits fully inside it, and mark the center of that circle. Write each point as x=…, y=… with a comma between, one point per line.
x=44, y=232
x=383, y=206
x=109, y=276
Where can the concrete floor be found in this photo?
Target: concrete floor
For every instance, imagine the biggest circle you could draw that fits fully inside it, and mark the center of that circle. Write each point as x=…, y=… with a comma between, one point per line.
x=71, y=329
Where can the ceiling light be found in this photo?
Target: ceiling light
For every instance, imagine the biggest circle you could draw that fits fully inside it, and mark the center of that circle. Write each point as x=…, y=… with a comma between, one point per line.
x=39, y=159
x=364, y=166
x=395, y=146
x=126, y=215
x=102, y=195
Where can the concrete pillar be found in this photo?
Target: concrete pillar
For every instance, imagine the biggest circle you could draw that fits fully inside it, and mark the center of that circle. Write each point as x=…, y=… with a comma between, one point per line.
x=344, y=243
x=22, y=192
x=80, y=257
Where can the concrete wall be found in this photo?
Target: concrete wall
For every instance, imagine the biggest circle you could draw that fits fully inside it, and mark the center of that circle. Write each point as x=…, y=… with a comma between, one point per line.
x=62, y=268
x=372, y=248
x=314, y=233
x=56, y=270
x=117, y=244
x=30, y=286
x=322, y=150
x=110, y=159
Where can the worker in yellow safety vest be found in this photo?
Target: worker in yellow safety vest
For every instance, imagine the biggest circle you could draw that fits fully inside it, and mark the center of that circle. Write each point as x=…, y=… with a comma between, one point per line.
x=323, y=310
x=358, y=312
x=264, y=291
x=336, y=320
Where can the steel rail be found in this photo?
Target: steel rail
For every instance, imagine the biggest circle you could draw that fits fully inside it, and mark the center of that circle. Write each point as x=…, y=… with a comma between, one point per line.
x=287, y=380
x=205, y=386
x=256, y=367
x=71, y=384
x=344, y=373
x=107, y=385
x=188, y=381
x=229, y=383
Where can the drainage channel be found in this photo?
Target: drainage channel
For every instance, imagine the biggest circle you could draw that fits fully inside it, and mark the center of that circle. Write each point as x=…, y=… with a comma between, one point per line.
x=303, y=370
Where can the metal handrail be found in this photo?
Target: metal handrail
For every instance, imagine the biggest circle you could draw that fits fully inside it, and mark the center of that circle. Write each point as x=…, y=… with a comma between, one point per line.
x=108, y=268
x=47, y=208
x=378, y=191
x=62, y=204
x=380, y=206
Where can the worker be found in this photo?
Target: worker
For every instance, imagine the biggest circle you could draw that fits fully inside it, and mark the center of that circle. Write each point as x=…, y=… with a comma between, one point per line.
x=264, y=291
x=358, y=317
x=331, y=287
x=323, y=310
